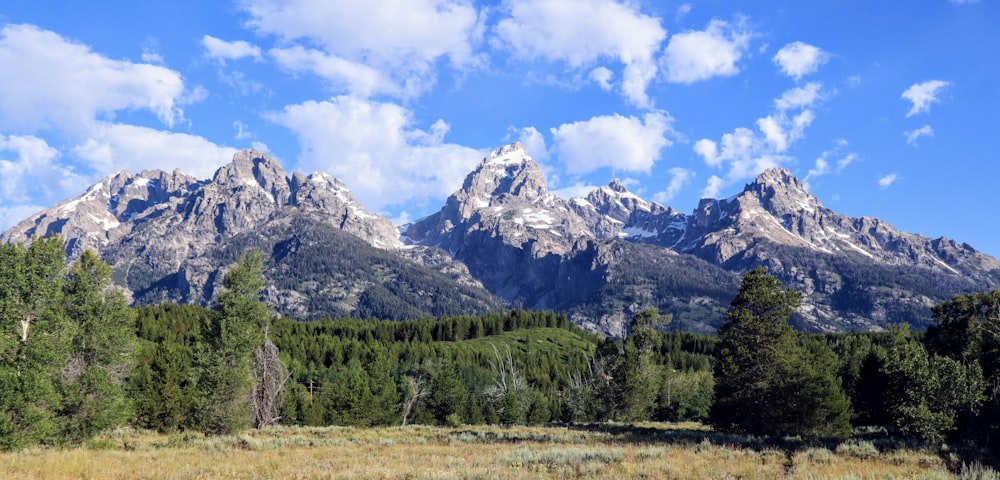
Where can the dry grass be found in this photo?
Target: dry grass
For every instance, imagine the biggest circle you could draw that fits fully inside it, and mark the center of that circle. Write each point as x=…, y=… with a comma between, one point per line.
x=643, y=451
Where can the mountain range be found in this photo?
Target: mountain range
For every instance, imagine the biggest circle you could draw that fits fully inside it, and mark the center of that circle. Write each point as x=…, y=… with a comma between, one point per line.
x=503, y=240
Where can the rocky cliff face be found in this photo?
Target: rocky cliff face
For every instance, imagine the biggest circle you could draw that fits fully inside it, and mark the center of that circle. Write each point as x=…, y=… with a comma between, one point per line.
x=777, y=209
x=855, y=273
x=108, y=210
x=168, y=236
x=507, y=228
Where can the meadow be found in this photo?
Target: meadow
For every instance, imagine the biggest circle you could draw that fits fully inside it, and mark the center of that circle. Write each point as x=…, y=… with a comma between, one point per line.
x=653, y=450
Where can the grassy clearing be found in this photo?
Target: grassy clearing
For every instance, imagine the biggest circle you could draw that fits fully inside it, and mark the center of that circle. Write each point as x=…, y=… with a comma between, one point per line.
x=602, y=451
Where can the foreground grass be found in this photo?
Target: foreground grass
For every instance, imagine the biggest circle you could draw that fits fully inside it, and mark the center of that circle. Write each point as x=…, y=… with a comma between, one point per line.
x=602, y=451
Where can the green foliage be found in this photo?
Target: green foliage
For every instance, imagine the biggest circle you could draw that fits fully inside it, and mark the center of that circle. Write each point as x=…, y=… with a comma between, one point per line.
x=926, y=391
x=685, y=395
x=65, y=347
x=164, y=385
x=766, y=382
x=446, y=396
x=968, y=331
x=226, y=376
x=93, y=383
x=36, y=341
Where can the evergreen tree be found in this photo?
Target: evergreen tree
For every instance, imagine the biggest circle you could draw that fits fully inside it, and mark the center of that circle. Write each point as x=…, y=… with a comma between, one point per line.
x=93, y=380
x=35, y=341
x=446, y=395
x=237, y=332
x=765, y=382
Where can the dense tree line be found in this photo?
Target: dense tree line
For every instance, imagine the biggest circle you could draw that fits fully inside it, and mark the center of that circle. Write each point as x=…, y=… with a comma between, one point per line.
x=514, y=367
x=75, y=360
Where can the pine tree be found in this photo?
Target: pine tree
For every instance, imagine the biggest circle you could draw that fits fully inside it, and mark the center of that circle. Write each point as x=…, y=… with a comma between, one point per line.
x=765, y=381
x=237, y=332
x=93, y=380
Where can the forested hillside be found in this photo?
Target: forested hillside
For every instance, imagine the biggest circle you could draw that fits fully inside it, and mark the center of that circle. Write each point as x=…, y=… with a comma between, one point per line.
x=77, y=360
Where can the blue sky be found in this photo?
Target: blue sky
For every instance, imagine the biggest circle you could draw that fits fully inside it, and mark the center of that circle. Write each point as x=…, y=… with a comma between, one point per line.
x=886, y=109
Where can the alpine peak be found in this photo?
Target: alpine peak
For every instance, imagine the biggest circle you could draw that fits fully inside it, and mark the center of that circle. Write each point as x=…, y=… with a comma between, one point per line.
x=617, y=186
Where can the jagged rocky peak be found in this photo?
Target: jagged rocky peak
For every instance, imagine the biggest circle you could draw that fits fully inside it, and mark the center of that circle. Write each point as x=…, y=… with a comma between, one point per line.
x=133, y=194
x=782, y=193
x=617, y=202
x=509, y=171
x=102, y=214
x=253, y=168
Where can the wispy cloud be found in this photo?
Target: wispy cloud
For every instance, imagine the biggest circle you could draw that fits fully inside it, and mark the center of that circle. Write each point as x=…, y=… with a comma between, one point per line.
x=746, y=152
x=913, y=135
x=831, y=161
x=922, y=95
x=887, y=181
x=222, y=50
x=679, y=177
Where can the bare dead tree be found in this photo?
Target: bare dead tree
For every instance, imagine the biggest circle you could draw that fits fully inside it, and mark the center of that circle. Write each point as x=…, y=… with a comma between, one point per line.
x=506, y=378
x=270, y=375
x=418, y=388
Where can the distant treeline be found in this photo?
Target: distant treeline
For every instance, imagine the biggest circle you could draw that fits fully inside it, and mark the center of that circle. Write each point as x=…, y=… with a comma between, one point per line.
x=366, y=372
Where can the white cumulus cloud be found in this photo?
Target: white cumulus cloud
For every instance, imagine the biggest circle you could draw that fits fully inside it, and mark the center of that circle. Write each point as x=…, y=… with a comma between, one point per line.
x=62, y=85
x=344, y=75
x=402, y=39
x=745, y=152
x=798, y=59
x=30, y=171
x=699, y=55
x=602, y=76
x=923, y=94
x=582, y=32
x=62, y=93
x=113, y=147
x=800, y=97
x=375, y=149
x=534, y=142
x=621, y=143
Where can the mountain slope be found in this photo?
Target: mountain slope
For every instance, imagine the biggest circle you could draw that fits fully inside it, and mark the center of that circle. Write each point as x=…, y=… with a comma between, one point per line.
x=169, y=237
x=855, y=273
x=540, y=251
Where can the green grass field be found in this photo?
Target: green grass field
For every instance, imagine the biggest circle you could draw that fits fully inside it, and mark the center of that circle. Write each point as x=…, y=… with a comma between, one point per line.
x=664, y=451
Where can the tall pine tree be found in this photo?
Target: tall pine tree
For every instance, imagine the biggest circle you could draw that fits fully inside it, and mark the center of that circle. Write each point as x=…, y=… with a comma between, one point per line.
x=93, y=380
x=766, y=383
x=237, y=331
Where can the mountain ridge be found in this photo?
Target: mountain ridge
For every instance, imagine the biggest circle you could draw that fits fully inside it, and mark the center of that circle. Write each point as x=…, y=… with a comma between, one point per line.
x=503, y=239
